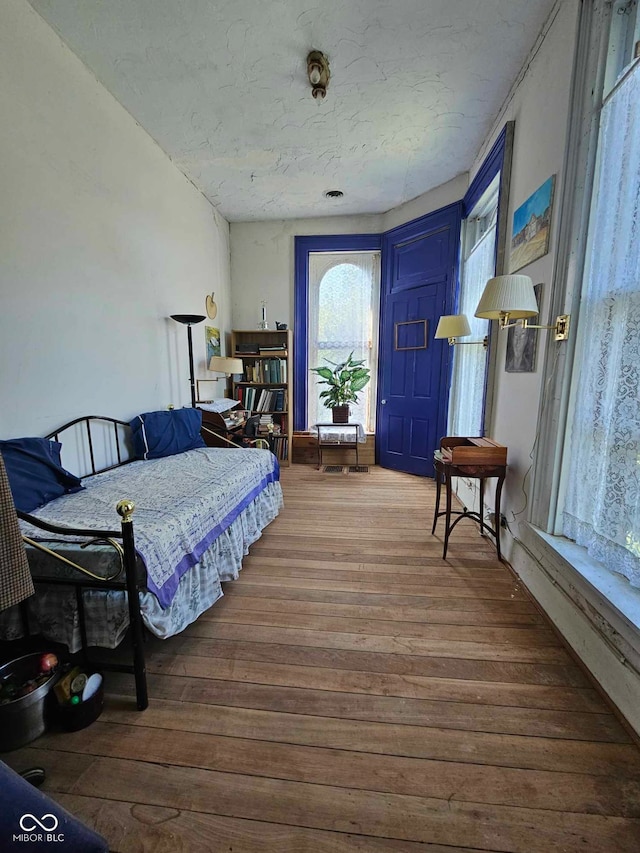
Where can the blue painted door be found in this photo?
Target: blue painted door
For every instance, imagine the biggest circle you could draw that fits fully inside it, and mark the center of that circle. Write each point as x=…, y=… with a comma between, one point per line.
x=420, y=263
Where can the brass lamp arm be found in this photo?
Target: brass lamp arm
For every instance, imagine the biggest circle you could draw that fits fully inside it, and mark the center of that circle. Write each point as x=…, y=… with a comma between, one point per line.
x=455, y=342
x=560, y=327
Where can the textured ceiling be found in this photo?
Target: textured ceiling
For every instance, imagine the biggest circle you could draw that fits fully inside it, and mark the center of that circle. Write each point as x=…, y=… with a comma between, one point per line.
x=221, y=85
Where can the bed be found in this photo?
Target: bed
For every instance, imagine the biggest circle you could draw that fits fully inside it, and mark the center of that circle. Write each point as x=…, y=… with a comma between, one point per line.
x=186, y=522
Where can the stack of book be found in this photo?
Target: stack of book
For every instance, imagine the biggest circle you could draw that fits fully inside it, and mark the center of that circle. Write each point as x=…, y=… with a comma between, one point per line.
x=267, y=426
x=276, y=349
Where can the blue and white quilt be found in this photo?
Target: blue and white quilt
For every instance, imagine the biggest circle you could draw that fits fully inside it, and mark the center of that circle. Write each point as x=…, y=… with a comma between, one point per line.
x=183, y=504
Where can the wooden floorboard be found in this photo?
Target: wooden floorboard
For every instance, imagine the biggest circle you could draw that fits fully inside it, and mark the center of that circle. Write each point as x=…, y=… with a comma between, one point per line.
x=354, y=693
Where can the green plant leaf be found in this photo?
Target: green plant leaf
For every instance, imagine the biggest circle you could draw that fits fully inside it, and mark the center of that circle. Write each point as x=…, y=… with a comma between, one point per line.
x=323, y=371
x=358, y=384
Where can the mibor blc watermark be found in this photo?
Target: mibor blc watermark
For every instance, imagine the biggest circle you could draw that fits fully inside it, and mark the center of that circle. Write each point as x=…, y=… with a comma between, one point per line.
x=38, y=829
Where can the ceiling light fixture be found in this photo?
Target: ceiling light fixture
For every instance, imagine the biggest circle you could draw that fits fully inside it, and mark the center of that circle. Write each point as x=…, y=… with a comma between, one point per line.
x=318, y=73
x=333, y=194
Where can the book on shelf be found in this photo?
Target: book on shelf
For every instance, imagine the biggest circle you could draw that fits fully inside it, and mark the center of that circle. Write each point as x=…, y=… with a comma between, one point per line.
x=279, y=400
x=247, y=396
x=266, y=371
x=266, y=401
x=279, y=446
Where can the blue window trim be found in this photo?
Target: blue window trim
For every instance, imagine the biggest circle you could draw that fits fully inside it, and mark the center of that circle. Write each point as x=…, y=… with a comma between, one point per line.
x=493, y=163
x=303, y=247
x=486, y=173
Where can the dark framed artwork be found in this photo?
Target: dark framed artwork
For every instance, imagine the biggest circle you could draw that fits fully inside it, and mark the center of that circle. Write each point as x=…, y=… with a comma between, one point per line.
x=532, y=227
x=522, y=344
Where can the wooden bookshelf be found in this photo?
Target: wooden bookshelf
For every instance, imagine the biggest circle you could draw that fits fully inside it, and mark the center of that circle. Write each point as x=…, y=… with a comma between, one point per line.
x=266, y=386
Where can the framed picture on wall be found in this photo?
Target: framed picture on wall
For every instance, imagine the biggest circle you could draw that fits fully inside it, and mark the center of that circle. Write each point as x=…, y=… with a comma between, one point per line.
x=532, y=226
x=212, y=338
x=522, y=344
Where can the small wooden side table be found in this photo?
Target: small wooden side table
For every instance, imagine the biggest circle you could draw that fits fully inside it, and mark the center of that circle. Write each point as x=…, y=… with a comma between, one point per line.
x=325, y=438
x=446, y=468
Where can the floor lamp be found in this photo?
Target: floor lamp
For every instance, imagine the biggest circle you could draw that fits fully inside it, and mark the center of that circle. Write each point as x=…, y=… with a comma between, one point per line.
x=189, y=320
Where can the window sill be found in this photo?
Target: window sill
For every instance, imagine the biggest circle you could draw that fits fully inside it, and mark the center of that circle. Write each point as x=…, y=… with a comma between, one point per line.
x=608, y=600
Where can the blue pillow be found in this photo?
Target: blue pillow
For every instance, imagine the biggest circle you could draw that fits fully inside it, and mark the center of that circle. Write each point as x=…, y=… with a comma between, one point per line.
x=158, y=434
x=35, y=473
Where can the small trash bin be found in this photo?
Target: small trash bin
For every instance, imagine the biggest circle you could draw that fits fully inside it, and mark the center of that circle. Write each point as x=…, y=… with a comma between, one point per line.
x=75, y=717
x=24, y=719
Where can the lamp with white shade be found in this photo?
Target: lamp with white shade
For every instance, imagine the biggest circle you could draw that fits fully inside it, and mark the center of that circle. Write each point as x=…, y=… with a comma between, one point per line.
x=454, y=326
x=220, y=364
x=508, y=298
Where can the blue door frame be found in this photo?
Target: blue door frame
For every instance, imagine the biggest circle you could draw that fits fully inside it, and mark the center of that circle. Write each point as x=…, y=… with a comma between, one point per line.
x=495, y=161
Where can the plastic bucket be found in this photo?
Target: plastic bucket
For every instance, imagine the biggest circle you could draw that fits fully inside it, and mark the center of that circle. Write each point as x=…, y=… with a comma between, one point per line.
x=23, y=720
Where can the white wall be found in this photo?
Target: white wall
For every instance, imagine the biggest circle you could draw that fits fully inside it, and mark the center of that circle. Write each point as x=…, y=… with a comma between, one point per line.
x=101, y=238
x=262, y=253
x=436, y=198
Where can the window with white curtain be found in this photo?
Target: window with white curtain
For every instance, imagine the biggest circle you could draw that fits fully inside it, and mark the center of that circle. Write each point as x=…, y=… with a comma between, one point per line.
x=344, y=295
x=466, y=400
x=602, y=464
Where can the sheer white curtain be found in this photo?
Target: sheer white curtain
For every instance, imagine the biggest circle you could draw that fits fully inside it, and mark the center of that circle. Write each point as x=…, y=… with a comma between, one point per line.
x=469, y=362
x=602, y=506
x=343, y=318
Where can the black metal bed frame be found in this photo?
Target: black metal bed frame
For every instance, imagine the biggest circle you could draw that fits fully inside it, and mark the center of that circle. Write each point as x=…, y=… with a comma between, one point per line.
x=87, y=580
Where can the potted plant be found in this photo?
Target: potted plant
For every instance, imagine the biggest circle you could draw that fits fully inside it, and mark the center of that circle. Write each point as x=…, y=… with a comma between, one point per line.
x=344, y=381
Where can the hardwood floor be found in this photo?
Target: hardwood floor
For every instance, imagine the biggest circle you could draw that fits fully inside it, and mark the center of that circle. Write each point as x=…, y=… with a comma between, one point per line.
x=353, y=692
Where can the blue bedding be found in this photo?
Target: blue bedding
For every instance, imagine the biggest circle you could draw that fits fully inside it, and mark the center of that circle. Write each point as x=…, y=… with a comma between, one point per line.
x=183, y=504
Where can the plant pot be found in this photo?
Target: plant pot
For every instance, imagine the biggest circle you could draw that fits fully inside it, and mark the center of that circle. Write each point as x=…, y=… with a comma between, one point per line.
x=340, y=414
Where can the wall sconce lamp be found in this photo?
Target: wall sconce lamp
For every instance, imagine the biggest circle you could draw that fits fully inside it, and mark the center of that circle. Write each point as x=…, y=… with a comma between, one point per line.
x=220, y=364
x=318, y=73
x=508, y=298
x=454, y=326
x=189, y=320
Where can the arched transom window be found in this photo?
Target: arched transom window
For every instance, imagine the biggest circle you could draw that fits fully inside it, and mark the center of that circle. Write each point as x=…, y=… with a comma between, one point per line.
x=343, y=319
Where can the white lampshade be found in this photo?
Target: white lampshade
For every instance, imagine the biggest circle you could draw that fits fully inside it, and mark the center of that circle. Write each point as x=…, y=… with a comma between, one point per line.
x=220, y=364
x=452, y=326
x=508, y=294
